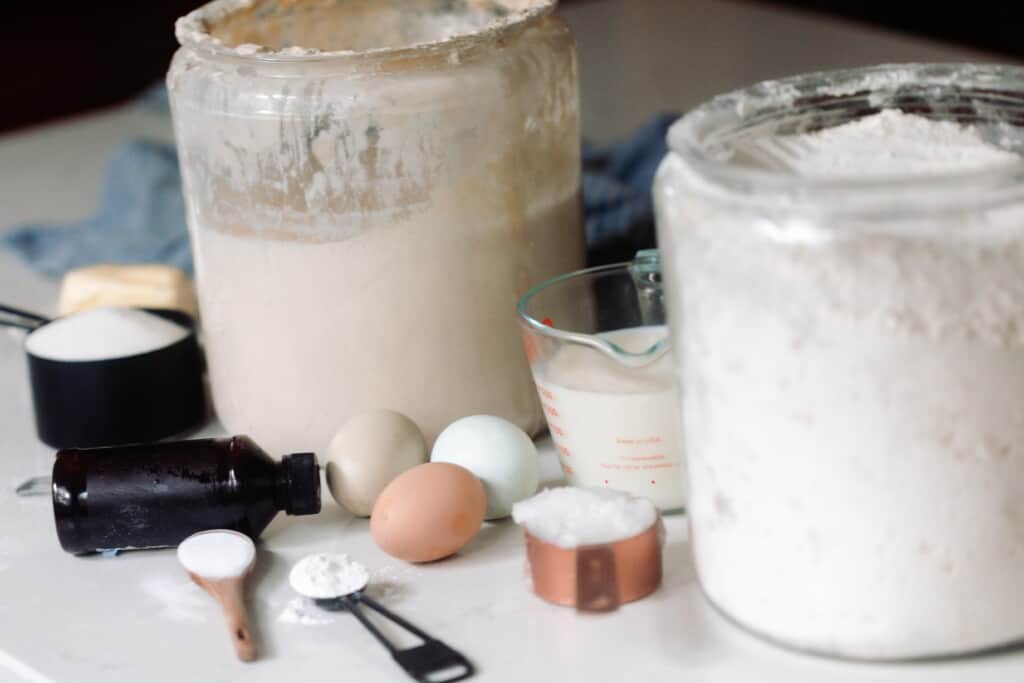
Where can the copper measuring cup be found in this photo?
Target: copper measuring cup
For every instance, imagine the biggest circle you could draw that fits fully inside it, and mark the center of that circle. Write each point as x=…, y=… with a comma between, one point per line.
x=597, y=578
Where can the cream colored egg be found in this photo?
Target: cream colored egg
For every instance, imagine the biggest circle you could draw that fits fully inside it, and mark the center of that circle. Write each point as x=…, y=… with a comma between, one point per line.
x=367, y=453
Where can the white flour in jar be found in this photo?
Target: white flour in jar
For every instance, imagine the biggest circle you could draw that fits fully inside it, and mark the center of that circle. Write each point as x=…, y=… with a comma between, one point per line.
x=854, y=411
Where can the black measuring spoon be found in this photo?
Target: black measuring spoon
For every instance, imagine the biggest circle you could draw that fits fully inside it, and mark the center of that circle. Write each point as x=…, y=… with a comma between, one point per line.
x=432, y=661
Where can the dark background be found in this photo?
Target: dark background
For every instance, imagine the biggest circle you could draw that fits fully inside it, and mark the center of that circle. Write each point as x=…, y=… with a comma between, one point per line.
x=59, y=58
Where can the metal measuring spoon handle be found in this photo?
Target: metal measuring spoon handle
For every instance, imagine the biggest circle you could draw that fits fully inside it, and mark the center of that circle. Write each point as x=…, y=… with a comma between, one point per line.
x=16, y=317
x=425, y=662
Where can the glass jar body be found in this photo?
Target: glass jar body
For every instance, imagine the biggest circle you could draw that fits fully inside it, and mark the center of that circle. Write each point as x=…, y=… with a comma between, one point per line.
x=852, y=367
x=362, y=227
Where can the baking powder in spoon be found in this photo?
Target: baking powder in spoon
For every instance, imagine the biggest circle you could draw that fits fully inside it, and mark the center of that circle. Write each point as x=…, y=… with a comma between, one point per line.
x=328, y=576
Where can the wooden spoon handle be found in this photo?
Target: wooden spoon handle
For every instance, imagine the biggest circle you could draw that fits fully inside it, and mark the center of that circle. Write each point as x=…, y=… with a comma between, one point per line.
x=233, y=605
x=229, y=594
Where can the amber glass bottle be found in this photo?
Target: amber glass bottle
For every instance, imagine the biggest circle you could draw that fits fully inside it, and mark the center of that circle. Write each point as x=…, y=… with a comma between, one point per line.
x=156, y=495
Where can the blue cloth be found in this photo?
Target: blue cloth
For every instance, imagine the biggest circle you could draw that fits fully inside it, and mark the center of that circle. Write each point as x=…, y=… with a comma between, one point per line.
x=617, y=182
x=142, y=213
x=141, y=218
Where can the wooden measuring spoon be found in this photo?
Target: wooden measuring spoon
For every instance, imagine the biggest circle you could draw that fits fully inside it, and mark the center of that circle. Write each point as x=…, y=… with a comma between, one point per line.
x=219, y=562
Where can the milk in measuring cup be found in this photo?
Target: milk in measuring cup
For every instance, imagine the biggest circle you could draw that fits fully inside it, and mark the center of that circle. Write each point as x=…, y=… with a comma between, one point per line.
x=616, y=426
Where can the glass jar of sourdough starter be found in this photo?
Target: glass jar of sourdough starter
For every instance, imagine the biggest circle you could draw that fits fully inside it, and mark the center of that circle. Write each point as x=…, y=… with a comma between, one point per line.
x=370, y=188
x=847, y=312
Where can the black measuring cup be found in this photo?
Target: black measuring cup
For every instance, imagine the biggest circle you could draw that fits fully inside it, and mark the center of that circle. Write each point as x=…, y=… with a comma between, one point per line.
x=115, y=401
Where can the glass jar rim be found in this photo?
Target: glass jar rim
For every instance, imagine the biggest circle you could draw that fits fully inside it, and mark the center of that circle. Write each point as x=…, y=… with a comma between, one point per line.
x=733, y=112
x=192, y=31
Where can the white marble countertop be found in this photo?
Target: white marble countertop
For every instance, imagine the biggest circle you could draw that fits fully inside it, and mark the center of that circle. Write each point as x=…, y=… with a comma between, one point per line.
x=137, y=618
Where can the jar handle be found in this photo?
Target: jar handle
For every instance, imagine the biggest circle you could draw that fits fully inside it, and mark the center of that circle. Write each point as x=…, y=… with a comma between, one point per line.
x=646, y=271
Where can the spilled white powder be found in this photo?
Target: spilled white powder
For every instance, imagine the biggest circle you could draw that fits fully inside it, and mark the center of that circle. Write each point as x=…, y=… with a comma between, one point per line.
x=217, y=554
x=179, y=599
x=390, y=583
x=327, y=576
x=854, y=408
x=303, y=611
x=103, y=334
x=571, y=517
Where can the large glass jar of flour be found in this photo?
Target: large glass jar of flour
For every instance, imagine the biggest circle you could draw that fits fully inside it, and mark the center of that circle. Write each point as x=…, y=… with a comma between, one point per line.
x=370, y=187
x=845, y=272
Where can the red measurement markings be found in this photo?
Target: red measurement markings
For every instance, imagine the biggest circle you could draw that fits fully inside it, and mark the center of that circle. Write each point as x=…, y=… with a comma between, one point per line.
x=564, y=451
x=557, y=430
x=546, y=394
x=646, y=441
x=548, y=321
x=643, y=458
x=567, y=469
x=550, y=410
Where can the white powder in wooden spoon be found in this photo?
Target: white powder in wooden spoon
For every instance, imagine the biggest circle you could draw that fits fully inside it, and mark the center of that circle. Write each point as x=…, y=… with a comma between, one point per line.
x=217, y=554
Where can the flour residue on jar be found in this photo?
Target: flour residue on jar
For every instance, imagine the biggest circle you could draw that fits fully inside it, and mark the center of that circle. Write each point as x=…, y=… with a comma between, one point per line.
x=358, y=136
x=296, y=28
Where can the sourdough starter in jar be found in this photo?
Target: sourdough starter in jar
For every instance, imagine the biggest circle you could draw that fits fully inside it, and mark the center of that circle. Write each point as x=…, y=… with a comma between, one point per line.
x=854, y=400
x=371, y=186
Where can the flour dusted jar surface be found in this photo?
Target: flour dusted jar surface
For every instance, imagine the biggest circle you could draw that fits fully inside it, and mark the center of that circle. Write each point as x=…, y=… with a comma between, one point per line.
x=845, y=267
x=370, y=187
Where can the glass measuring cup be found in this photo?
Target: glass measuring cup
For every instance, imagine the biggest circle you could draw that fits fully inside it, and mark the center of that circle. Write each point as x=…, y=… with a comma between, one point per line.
x=598, y=346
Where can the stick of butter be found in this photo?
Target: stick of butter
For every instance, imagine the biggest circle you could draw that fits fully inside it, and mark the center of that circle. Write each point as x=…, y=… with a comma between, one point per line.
x=143, y=286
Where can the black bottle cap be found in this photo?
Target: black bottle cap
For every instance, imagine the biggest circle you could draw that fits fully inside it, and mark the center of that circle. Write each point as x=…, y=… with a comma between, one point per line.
x=302, y=494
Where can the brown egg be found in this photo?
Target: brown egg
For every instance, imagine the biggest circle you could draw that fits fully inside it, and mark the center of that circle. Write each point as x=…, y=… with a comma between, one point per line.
x=428, y=512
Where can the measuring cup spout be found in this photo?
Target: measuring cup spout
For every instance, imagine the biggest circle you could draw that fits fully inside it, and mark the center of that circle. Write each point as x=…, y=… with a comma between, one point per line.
x=569, y=308
x=629, y=359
